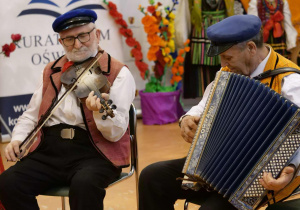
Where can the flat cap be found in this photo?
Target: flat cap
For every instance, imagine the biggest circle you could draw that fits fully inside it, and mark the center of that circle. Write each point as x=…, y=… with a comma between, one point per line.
x=230, y=31
x=74, y=18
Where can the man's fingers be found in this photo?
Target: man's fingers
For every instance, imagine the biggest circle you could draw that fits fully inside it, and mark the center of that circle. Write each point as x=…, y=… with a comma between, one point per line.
x=105, y=96
x=10, y=153
x=91, y=94
x=196, y=119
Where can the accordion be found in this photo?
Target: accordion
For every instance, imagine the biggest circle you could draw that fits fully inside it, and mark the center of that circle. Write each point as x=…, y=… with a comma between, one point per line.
x=246, y=128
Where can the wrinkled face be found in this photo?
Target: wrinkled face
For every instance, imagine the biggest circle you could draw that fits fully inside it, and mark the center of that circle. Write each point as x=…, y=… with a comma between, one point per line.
x=237, y=59
x=81, y=51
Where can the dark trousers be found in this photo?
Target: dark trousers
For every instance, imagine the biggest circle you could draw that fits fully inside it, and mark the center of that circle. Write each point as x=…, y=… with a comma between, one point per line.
x=287, y=205
x=59, y=162
x=159, y=189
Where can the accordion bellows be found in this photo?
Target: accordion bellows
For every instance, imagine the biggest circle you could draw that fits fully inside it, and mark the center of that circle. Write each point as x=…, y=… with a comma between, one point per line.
x=246, y=128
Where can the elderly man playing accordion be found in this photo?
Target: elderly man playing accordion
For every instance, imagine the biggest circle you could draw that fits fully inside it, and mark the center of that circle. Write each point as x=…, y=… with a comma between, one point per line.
x=238, y=41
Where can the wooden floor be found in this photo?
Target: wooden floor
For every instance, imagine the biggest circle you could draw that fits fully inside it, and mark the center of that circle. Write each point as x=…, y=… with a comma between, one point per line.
x=155, y=143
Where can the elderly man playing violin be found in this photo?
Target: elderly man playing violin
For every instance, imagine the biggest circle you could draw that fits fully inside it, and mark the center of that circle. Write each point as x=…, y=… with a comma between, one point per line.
x=76, y=146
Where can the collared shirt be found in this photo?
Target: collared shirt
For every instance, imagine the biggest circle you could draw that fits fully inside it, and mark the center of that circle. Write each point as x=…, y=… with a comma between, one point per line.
x=122, y=93
x=290, y=89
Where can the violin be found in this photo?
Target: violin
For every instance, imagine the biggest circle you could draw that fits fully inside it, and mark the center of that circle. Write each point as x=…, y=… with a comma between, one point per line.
x=92, y=80
x=81, y=78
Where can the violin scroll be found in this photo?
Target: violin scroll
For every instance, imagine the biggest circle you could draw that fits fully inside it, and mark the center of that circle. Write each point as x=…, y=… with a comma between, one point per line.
x=108, y=107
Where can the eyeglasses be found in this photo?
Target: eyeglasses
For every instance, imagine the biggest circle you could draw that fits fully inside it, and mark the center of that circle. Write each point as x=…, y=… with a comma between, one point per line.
x=84, y=37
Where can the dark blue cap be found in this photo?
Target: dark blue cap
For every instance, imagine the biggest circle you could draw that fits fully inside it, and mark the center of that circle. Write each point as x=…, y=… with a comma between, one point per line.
x=74, y=18
x=230, y=31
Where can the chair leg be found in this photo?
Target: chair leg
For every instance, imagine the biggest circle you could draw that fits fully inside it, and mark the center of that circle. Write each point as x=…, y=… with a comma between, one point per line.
x=186, y=205
x=63, y=203
x=137, y=187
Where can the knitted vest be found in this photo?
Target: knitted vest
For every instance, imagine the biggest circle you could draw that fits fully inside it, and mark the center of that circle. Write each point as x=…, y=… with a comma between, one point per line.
x=116, y=152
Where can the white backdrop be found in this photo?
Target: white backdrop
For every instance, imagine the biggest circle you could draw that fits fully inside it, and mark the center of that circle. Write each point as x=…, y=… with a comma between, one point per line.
x=39, y=45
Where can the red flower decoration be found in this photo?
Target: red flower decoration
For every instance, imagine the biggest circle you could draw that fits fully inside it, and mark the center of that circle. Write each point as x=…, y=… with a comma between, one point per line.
x=130, y=41
x=122, y=23
x=111, y=6
x=8, y=48
x=137, y=54
x=126, y=32
x=16, y=37
x=151, y=9
x=12, y=47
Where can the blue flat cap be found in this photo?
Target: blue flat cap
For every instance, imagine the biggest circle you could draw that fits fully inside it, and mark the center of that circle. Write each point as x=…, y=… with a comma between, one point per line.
x=74, y=18
x=230, y=31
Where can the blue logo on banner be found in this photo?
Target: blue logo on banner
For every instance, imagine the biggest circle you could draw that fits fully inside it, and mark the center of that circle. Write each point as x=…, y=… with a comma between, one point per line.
x=54, y=13
x=10, y=109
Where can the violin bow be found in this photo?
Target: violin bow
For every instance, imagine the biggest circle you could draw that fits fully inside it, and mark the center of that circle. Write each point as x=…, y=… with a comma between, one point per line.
x=25, y=145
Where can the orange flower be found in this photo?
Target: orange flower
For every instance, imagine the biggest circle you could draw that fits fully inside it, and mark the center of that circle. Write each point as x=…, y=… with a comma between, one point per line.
x=172, y=81
x=181, y=52
x=176, y=63
x=167, y=59
x=151, y=56
x=153, y=49
x=174, y=70
x=177, y=78
x=167, y=50
x=180, y=59
x=181, y=70
x=154, y=40
x=151, y=29
x=187, y=49
x=148, y=20
x=187, y=42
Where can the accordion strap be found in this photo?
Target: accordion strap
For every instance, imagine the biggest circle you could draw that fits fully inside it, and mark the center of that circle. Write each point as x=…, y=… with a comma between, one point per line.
x=271, y=73
x=284, y=193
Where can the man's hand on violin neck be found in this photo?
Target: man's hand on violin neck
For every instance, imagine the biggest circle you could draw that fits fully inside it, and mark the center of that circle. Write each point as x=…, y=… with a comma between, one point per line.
x=93, y=102
x=12, y=151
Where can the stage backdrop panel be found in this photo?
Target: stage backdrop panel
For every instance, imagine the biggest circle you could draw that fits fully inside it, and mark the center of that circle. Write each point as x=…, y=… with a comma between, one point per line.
x=20, y=73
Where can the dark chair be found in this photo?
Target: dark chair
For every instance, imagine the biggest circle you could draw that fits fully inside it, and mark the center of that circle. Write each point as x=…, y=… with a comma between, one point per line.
x=63, y=192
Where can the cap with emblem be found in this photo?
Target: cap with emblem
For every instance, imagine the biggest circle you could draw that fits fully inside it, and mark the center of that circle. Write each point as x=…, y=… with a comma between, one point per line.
x=230, y=31
x=74, y=18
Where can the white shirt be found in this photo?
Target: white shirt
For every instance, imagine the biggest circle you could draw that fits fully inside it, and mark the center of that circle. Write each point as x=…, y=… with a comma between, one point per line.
x=290, y=89
x=122, y=93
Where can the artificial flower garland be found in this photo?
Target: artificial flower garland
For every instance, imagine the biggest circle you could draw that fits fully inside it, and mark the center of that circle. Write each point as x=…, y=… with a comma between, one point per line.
x=9, y=48
x=160, y=35
x=178, y=69
x=130, y=40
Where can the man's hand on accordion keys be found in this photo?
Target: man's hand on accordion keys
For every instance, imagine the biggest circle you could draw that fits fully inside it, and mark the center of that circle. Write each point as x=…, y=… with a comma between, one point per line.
x=284, y=179
x=188, y=127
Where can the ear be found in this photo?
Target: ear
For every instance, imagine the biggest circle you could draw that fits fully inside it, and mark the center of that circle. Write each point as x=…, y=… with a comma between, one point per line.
x=98, y=33
x=60, y=41
x=251, y=47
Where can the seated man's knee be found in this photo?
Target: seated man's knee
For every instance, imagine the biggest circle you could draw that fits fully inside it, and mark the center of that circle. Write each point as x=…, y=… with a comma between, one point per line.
x=83, y=184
